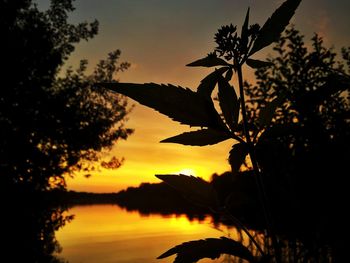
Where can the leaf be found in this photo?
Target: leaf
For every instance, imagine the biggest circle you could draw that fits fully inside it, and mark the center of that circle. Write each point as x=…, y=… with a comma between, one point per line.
x=266, y=113
x=182, y=105
x=209, y=61
x=199, y=137
x=193, y=188
x=244, y=32
x=237, y=156
x=207, y=84
x=212, y=248
x=229, y=103
x=275, y=25
x=254, y=63
x=229, y=74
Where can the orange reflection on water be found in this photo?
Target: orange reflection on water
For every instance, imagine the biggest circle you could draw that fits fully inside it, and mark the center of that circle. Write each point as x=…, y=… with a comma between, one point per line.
x=107, y=233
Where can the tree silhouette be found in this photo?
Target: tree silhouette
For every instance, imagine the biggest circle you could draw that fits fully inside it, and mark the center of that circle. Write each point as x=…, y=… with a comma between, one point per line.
x=51, y=121
x=305, y=151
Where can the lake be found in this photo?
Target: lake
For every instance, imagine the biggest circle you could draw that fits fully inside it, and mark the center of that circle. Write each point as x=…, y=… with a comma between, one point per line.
x=108, y=233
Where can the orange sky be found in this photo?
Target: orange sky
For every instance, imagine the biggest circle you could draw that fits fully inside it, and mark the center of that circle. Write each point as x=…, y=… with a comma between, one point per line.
x=159, y=37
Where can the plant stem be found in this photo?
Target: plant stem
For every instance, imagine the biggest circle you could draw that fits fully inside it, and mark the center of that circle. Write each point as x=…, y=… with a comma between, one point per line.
x=245, y=230
x=256, y=171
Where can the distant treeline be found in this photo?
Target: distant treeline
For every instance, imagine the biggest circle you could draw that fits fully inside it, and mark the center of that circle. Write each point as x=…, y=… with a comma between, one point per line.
x=160, y=198
x=153, y=197
x=71, y=198
x=156, y=198
x=160, y=195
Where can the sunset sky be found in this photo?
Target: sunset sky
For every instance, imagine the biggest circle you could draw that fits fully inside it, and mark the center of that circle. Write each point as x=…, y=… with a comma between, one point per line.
x=159, y=37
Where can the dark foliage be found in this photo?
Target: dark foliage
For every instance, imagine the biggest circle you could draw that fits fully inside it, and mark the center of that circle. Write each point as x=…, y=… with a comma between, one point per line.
x=50, y=121
x=304, y=152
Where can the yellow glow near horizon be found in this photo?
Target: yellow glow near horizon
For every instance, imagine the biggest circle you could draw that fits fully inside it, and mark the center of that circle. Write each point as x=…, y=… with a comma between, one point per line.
x=187, y=171
x=145, y=156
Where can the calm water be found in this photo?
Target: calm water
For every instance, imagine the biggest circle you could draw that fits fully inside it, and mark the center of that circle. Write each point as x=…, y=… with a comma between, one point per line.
x=108, y=233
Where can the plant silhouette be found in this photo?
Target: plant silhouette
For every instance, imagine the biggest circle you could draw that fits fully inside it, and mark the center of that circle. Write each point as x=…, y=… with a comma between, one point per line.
x=247, y=124
x=197, y=108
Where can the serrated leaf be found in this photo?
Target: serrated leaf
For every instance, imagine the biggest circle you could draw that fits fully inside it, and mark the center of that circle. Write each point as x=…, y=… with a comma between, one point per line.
x=275, y=25
x=212, y=248
x=209, y=61
x=266, y=113
x=229, y=74
x=244, y=32
x=193, y=188
x=254, y=63
x=207, y=84
x=237, y=156
x=229, y=103
x=199, y=137
x=182, y=105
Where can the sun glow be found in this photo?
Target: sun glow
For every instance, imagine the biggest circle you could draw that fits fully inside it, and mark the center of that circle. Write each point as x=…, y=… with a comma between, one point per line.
x=187, y=171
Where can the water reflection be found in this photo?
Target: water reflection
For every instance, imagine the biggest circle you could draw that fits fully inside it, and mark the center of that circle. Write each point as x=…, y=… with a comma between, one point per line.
x=108, y=233
x=34, y=232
